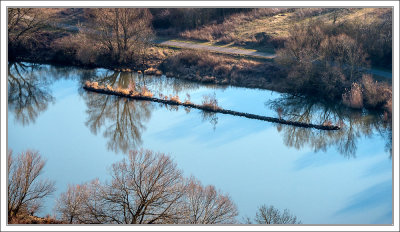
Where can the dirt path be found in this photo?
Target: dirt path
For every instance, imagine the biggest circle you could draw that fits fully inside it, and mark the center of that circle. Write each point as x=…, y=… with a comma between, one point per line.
x=218, y=49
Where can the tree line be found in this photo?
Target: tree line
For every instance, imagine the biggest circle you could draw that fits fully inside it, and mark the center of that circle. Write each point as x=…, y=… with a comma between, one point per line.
x=145, y=188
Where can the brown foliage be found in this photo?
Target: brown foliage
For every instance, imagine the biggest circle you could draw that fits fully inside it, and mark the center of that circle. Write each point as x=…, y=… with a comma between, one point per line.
x=108, y=37
x=25, y=28
x=354, y=97
x=320, y=63
x=376, y=94
x=29, y=219
x=211, y=68
x=210, y=101
x=224, y=32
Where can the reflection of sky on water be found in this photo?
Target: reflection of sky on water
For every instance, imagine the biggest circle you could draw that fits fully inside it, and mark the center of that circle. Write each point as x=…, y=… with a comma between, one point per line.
x=257, y=168
x=245, y=158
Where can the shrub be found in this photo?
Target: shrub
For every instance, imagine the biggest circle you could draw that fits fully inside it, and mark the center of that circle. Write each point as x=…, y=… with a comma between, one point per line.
x=175, y=99
x=376, y=95
x=187, y=99
x=354, y=97
x=219, y=69
x=145, y=92
x=210, y=101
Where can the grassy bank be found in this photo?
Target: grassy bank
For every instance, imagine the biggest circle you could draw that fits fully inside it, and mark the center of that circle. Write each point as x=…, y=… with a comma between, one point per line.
x=269, y=29
x=206, y=67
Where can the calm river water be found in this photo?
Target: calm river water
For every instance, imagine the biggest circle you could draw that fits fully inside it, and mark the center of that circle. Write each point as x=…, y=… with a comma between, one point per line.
x=336, y=177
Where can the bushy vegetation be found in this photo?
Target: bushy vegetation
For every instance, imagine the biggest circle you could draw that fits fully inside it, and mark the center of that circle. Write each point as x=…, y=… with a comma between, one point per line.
x=218, y=69
x=109, y=37
x=271, y=27
x=210, y=101
x=323, y=51
x=326, y=61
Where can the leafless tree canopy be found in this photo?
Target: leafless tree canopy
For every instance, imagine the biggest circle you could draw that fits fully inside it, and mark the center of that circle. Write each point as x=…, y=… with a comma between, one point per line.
x=25, y=27
x=146, y=188
x=204, y=205
x=272, y=215
x=25, y=191
x=123, y=33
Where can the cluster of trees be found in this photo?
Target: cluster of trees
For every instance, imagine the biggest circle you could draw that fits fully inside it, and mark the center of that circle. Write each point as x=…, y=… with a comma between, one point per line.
x=327, y=60
x=145, y=188
x=109, y=36
x=25, y=30
x=106, y=36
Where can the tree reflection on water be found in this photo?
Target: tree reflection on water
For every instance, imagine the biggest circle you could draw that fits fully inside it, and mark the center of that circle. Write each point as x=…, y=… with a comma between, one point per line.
x=28, y=92
x=354, y=125
x=123, y=119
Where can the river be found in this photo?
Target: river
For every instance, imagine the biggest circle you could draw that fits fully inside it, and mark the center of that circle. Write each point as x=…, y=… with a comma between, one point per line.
x=322, y=177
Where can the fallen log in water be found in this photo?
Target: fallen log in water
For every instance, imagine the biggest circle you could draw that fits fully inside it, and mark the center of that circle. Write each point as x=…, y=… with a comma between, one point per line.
x=208, y=108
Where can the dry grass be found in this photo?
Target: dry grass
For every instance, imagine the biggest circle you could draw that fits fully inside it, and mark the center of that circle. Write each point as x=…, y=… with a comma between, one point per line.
x=29, y=219
x=175, y=99
x=219, y=69
x=371, y=94
x=187, y=99
x=152, y=71
x=130, y=91
x=210, y=101
x=157, y=54
x=271, y=27
x=230, y=30
x=376, y=94
x=353, y=98
x=145, y=92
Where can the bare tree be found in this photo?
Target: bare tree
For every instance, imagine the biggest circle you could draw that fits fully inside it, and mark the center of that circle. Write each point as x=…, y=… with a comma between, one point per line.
x=70, y=204
x=24, y=26
x=24, y=190
x=204, y=205
x=146, y=188
x=272, y=215
x=123, y=33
